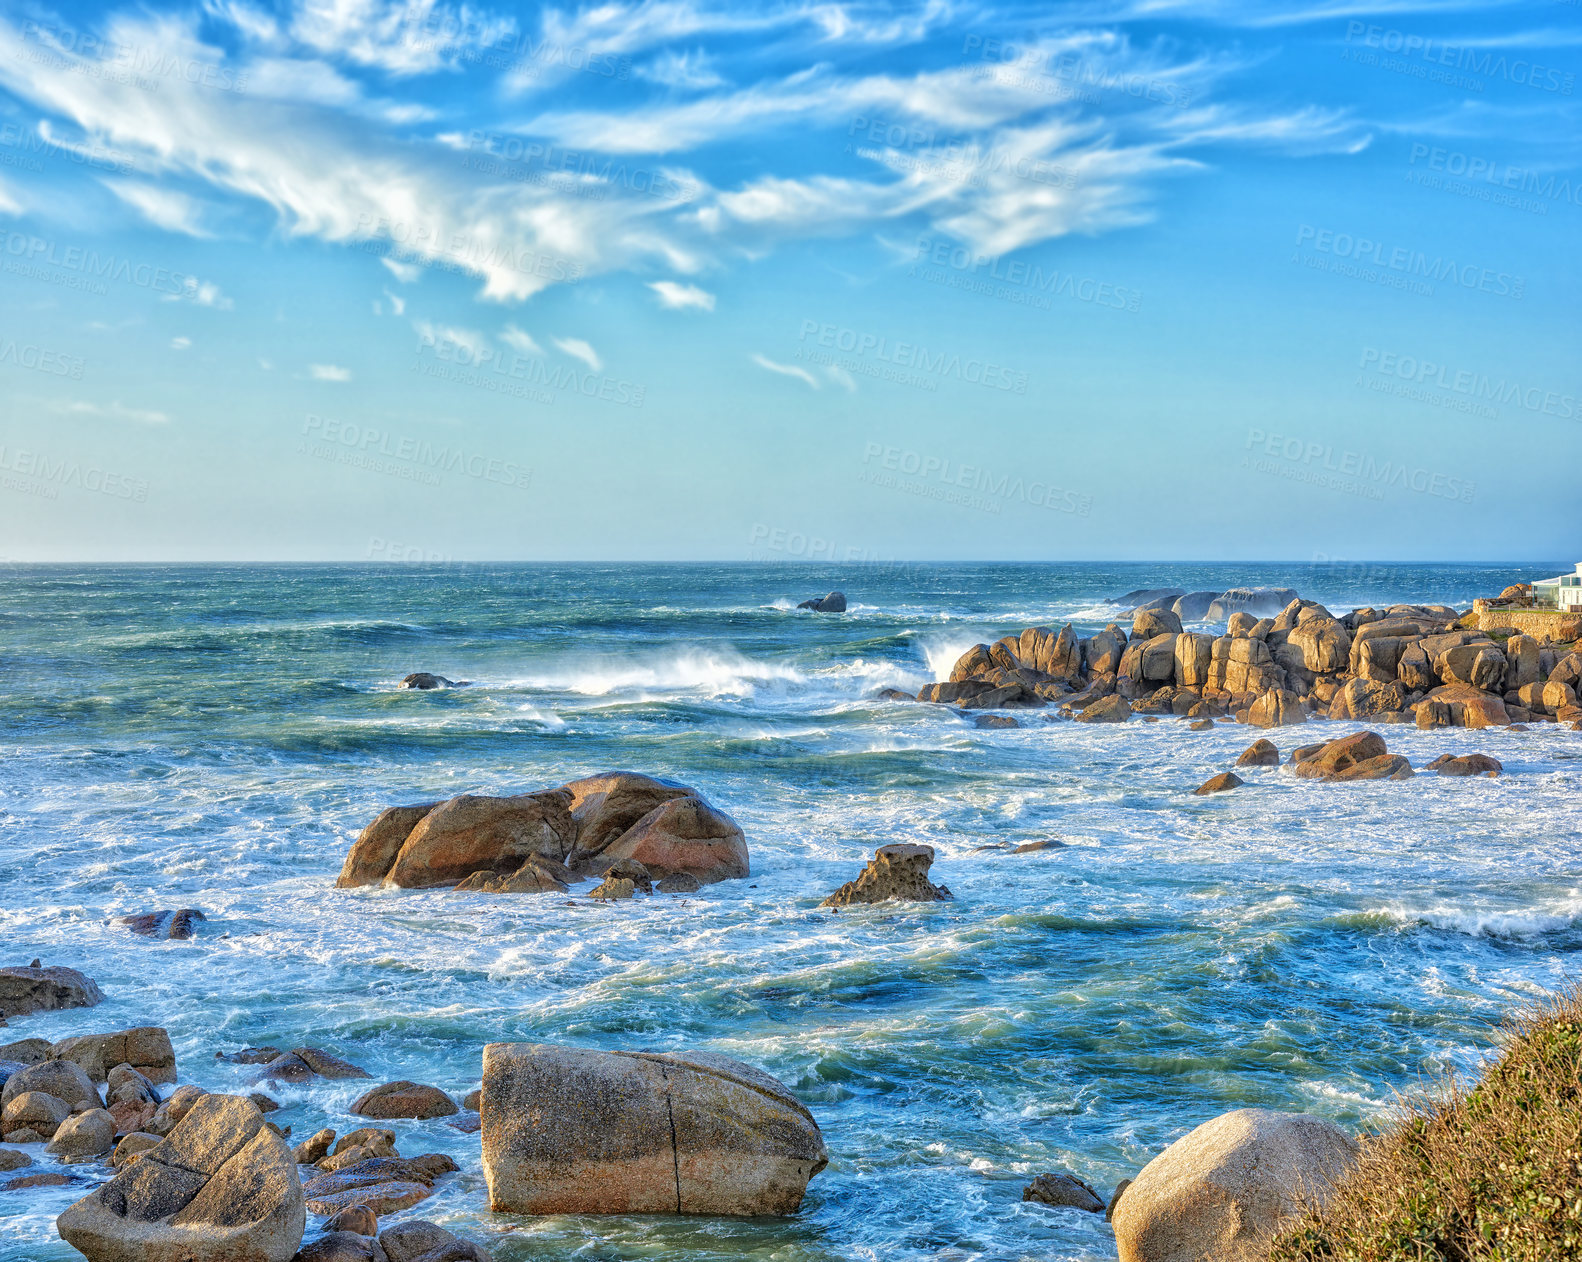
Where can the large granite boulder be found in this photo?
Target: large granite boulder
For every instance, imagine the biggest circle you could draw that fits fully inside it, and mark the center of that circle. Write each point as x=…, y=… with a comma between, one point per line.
x=83, y=1135
x=572, y=1131
x=1219, y=1193
x=146, y=1049
x=1325, y=643
x=896, y=871
x=1367, y=699
x=682, y=836
x=1111, y=709
x=39, y=989
x=1360, y=756
x=63, y=1079
x=1277, y=708
x=31, y=1117
x=1481, y=665
x=221, y=1188
x=1151, y=622
x=586, y=825
x=1260, y=602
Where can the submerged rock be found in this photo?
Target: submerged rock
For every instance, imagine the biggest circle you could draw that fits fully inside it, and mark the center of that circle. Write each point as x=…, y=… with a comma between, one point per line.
x=425, y=682
x=1063, y=1190
x=572, y=1131
x=897, y=871
x=1220, y=1191
x=174, y=926
x=1260, y=602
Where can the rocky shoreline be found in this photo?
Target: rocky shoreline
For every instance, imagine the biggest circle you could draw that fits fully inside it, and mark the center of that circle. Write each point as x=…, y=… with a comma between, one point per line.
x=1404, y=664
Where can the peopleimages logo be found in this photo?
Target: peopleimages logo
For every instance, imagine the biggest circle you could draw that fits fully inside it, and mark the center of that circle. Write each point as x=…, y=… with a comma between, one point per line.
x=1429, y=374
x=1353, y=472
x=1410, y=262
x=1488, y=62
x=1470, y=167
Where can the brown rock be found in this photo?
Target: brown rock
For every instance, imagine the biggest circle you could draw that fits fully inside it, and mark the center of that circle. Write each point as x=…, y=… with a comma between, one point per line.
x=404, y=1099
x=605, y=806
x=1466, y=765
x=1112, y=709
x=1200, y=725
x=376, y=847
x=38, y=989
x=1260, y=753
x=473, y=833
x=314, y=1149
x=327, y=1066
x=1340, y=755
x=132, y=1147
x=63, y=1079
x=418, y=1241
x=566, y=1130
x=221, y=1188
x=83, y=1135
x=146, y=1049
x=36, y=1112
x=341, y=1246
x=684, y=835
x=612, y=889
x=359, y=1219
x=23, y=1182
x=1220, y=1192
x=11, y=1159
x=1219, y=784
x=897, y=871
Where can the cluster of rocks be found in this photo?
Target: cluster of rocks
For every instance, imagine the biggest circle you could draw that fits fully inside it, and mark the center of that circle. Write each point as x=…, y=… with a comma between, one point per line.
x=1360, y=756
x=1188, y=606
x=651, y=830
x=1391, y=665
x=77, y=1095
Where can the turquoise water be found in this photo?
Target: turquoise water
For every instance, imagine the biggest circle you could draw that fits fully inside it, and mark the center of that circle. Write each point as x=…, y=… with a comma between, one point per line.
x=214, y=737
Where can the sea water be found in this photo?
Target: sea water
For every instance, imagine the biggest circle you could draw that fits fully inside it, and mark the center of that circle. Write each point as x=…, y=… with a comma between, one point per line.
x=214, y=737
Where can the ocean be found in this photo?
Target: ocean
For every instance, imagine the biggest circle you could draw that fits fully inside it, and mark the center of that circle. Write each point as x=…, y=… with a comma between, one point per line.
x=215, y=737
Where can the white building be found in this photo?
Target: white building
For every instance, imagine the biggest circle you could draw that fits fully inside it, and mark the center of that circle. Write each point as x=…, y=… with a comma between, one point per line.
x=1563, y=593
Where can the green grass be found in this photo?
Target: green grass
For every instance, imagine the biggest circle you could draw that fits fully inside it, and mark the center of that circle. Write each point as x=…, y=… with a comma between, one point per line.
x=1492, y=1173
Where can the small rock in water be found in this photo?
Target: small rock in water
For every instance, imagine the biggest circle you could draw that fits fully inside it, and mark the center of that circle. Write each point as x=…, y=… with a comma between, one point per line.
x=1466, y=765
x=171, y=925
x=893, y=694
x=1200, y=725
x=404, y=1099
x=341, y=1246
x=423, y=681
x=995, y=720
x=11, y=1159
x=1033, y=847
x=419, y=1239
x=680, y=883
x=898, y=871
x=835, y=602
x=1064, y=1190
x=313, y=1149
x=612, y=888
x=1219, y=784
x=1261, y=753
x=250, y=1056
x=25, y=1181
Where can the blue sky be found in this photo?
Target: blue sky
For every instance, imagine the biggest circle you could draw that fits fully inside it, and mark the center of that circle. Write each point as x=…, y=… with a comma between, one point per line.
x=1176, y=279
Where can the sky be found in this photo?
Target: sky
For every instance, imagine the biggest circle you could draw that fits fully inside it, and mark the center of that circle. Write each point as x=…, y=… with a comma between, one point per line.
x=434, y=282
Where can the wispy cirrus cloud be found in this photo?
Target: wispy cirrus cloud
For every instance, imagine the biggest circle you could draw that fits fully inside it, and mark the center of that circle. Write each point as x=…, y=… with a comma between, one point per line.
x=579, y=349
x=675, y=296
x=785, y=370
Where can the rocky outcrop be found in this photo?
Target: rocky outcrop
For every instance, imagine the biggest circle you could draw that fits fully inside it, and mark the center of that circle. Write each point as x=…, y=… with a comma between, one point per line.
x=1277, y=708
x=897, y=871
x=835, y=602
x=1220, y=1192
x=568, y=1130
x=404, y=1099
x=507, y=844
x=1063, y=1190
x=222, y=1187
x=39, y=989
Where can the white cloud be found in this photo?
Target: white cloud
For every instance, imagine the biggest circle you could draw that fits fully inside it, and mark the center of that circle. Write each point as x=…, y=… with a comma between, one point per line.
x=678, y=297
x=470, y=341
x=406, y=273
x=397, y=303
x=116, y=411
x=520, y=342
x=163, y=207
x=578, y=349
x=841, y=377
x=8, y=202
x=329, y=372
x=180, y=343
x=785, y=370
x=403, y=37
x=692, y=70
